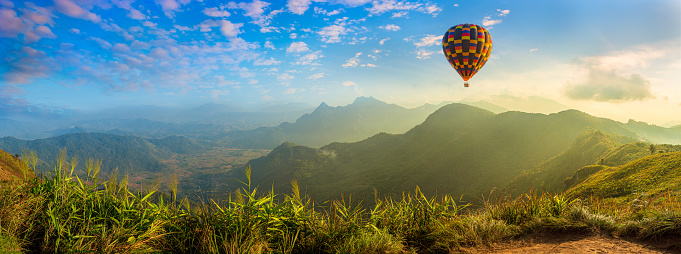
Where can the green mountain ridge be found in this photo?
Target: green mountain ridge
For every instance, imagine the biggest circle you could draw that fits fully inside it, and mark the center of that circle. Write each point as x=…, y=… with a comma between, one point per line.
x=459, y=149
x=656, y=134
x=127, y=153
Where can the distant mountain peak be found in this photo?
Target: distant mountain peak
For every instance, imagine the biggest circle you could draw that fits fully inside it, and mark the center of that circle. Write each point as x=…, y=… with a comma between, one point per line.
x=323, y=106
x=366, y=100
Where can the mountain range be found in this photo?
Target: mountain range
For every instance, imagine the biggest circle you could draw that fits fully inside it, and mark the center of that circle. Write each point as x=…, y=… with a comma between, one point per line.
x=203, y=122
x=127, y=153
x=459, y=149
x=363, y=118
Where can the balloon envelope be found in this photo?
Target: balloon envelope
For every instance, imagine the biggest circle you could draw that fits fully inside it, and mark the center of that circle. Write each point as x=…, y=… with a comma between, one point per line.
x=467, y=48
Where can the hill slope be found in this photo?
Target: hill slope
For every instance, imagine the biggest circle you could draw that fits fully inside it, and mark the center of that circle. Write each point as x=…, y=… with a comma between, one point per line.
x=652, y=175
x=459, y=149
x=549, y=176
x=11, y=167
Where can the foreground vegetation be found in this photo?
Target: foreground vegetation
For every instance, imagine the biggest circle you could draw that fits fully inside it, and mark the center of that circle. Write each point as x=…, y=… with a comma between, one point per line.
x=64, y=213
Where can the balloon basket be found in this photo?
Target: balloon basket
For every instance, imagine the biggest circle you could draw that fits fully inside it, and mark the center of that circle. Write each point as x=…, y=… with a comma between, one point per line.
x=465, y=84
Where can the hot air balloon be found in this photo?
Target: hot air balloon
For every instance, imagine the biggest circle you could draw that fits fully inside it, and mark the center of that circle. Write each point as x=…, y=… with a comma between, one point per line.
x=467, y=48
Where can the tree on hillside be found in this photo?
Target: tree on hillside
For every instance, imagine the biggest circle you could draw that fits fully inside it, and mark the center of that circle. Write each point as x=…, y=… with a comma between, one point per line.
x=652, y=149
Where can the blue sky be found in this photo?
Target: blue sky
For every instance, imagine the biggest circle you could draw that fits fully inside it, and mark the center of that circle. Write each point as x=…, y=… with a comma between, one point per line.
x=616, y=59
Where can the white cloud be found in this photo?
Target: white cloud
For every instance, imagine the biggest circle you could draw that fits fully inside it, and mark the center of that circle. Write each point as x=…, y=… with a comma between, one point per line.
x=617, y=77
x=297, y=47
x=353, y=62
x=390, y=27
x=383, y=41
x=352, y=3
x=149, y=24
x=608, y=86
x=73, y=10
x=261, y=61
x=400, y=14
x=216, y=93
x=159, y=53
x=332, y=33
x=120, y=47
x=169, y=7
x=285, y=76
x=230, y=29
x=369, y=65
x=534, y=49
x=269, y=29
x=488, y=21
x=298, y=6
x=214, y=12
x=102, y=43
x=290, y=91
x=433, y=10
x=45, y=32
x=424, y=54
x=182, y=28
x=256, y=11
x=322, y=11
x=269, y=45
x=135, y=14
x=317, y=75
x=309, y=59
x=293, y=36
x=348, y=83
x=383, y=6
x=429, y=40
x=503, y=12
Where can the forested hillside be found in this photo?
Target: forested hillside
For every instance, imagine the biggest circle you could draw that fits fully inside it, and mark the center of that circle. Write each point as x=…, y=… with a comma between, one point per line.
x=459, y=149
x=128, y=153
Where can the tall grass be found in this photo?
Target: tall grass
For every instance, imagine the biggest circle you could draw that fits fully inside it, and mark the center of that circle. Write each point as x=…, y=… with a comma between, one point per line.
x=66, y=213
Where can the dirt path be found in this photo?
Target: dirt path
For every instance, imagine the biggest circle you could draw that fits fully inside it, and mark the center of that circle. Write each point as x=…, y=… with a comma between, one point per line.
x=576, y=244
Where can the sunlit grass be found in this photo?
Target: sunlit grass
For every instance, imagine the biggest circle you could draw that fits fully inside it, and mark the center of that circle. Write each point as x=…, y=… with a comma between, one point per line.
x=64, y=213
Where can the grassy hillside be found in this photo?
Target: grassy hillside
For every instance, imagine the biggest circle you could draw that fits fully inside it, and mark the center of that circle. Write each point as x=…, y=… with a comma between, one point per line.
x=650, y=175
x=61, y=214
x=549, y=176
x=619, y=156
x=459, y=149
x=12, y=167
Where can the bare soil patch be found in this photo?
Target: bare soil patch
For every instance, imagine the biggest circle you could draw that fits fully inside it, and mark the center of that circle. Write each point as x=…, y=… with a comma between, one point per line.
x=574, y=243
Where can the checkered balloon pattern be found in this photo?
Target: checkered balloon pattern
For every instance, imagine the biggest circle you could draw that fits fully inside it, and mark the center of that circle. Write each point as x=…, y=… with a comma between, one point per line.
x=467, y=48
